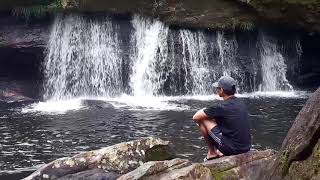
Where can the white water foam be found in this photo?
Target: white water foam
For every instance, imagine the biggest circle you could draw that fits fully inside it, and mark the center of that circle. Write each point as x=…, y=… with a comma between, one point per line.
x=150, y=103
x=55, y=106
x=276, y=94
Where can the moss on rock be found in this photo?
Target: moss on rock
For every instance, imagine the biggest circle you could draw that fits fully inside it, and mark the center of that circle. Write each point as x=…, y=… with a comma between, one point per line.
x=284, y=162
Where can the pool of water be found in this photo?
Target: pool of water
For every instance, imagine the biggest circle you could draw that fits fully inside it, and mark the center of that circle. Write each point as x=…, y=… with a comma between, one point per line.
x=39, y=133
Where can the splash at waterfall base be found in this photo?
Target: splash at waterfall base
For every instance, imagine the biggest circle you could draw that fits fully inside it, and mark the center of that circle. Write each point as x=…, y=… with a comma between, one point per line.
x=150, y=158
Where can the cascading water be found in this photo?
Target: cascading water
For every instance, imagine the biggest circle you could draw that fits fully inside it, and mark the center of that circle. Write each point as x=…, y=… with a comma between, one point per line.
x=149, y=47
x=273, y=66
x=85, y=58
x=227, y=53
x=228, y=63
x=195, y=57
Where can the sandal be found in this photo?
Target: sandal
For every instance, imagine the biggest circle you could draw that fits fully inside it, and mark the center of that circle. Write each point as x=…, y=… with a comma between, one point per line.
x=208, y=159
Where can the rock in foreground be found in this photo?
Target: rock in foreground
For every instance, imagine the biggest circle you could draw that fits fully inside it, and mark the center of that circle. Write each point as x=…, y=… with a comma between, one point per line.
x=299, y=156
x=148, y=159
x=120, y=158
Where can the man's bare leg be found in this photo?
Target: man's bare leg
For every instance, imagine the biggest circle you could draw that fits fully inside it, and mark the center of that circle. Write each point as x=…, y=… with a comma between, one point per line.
x=205, y=127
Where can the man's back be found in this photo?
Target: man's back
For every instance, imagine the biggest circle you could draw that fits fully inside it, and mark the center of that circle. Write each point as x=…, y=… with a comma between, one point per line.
x=232, y=118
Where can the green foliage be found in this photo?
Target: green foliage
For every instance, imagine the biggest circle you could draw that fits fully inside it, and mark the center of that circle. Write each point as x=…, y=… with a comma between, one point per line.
x=40, y=9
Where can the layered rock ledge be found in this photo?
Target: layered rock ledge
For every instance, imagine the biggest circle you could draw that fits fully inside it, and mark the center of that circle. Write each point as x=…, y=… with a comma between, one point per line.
x=222, y=14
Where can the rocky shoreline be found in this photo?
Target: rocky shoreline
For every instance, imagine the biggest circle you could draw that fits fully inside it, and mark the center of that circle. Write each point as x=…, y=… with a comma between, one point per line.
x=150, y=158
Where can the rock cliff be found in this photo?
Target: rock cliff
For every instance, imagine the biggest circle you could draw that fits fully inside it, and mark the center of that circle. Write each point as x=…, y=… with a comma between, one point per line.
x=215, y=14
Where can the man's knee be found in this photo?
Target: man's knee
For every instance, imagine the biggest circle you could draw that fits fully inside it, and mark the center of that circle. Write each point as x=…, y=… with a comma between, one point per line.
x=209, y=124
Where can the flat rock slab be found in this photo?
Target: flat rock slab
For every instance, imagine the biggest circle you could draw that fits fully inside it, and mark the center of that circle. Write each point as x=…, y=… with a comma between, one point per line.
x=120, y=158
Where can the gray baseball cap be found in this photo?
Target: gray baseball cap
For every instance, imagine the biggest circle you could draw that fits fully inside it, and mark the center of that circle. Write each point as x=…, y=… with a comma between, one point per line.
x=226, y=83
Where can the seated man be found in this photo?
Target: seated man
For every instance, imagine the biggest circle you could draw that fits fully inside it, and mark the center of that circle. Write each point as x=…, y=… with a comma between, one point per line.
x=225, y=127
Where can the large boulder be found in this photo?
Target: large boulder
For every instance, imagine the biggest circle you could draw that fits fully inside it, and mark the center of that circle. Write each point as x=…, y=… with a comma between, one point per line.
x=17, y=34
x=120, y=158
x=299, y=155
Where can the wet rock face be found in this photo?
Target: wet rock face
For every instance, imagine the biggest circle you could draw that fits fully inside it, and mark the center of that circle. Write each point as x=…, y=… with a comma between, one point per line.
x=189, y=13
x=201, y=13
x=301, y=13
x=12, y=92
x=20, y=34
x=299, y=156
x=120, y=158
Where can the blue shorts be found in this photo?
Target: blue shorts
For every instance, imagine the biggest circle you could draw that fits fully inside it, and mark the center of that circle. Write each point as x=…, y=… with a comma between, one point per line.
x=220, y=142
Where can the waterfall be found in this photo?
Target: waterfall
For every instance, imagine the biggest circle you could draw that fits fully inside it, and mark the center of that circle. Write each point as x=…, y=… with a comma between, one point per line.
x=83, y=59
x=195, y=57
x=227, y=60
x=227, y=53
x=149, y=47
x=273, y=66
x=97, y=57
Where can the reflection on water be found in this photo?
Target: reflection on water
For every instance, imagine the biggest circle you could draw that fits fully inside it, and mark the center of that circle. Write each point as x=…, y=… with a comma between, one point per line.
x=31, y=138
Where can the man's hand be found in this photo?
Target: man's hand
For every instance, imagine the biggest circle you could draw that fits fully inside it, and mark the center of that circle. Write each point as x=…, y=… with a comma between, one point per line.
x=199, y=116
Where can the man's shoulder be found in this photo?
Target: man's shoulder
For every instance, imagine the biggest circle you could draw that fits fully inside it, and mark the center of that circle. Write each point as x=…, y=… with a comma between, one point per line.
x=234, y=102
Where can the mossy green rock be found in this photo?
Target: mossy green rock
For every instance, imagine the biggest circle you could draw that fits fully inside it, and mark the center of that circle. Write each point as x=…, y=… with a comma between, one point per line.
x=308, y=168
